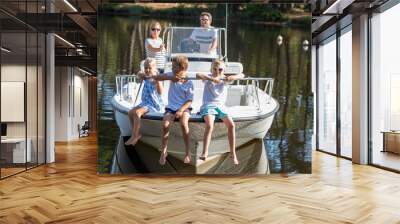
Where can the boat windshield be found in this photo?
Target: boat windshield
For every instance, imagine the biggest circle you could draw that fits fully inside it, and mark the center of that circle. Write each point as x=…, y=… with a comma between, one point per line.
x=195, y=42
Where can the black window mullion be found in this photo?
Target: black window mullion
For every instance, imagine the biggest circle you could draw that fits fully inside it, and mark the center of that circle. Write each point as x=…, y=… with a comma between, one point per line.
x=369, y=96
x=338, y=93
x=37, y=90
x=45, y=94
x=26, y=86
x=73, y=91
x=317, y=96
x=45, y=84
x=1, y=165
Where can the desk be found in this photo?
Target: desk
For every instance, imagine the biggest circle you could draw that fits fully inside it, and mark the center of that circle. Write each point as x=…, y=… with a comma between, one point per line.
x=13, y=150
x=391, y=141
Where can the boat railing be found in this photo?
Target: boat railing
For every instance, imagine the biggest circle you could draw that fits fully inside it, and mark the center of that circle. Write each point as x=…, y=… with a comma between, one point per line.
x=122, y=84
x=256, y=82
x=126, y=91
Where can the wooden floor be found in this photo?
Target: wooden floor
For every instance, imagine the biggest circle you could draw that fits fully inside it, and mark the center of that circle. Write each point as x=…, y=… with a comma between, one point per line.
x=70, y=191
x=10, y=171
x=387, y=159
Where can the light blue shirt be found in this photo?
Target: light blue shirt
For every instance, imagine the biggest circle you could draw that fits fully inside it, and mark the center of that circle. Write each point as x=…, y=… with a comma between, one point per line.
x=204, y=37
x=214, y=93
x=179, y=93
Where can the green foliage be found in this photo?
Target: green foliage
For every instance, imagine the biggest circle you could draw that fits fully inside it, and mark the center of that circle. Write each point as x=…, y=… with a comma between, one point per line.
x=301, y=21
x=180, y=11
x=260, y=12
x=247, y=12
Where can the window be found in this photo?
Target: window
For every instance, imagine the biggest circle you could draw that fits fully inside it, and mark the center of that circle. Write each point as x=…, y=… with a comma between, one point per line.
x=346, y=92
x=327, y=95
x=22, y=77
x=385, y=89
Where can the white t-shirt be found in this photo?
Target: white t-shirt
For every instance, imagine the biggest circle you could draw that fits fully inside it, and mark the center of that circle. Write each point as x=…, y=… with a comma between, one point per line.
x=214, y=94
x=158, y=55
x=179, y=93
x=204, y=37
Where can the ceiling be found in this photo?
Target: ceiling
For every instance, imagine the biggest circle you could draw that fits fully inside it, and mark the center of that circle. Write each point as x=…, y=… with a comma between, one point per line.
x=72, y=20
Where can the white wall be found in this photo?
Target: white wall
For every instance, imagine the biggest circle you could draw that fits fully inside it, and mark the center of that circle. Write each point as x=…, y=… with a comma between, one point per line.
x=14, y=72
x=61, y=103
x=71, y=102
x=80, y=110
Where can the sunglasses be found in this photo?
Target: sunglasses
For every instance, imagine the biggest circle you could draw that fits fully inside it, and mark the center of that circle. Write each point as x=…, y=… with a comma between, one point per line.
x=155, y=29
x=218, y=69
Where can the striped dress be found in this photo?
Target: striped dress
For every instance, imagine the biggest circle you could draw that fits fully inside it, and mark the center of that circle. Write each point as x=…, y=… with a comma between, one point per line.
x=158, y=55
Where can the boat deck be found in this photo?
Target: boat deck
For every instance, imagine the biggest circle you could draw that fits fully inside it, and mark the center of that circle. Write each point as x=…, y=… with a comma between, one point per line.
x=239, y=106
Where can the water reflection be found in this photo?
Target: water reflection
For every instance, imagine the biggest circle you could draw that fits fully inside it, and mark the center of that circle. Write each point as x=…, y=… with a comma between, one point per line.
x=288, y=142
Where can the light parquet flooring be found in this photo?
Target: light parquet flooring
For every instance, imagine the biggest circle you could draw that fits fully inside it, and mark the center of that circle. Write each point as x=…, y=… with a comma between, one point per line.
x=387, y=159
x=10, y=171
x=70, y=191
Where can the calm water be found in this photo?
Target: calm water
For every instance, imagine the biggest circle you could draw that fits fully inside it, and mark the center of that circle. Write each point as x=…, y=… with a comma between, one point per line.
x=288, y=142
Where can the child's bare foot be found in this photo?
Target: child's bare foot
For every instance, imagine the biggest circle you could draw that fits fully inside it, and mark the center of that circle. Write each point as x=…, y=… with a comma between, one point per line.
x=186, y=159
x=203, y=157
x=163, y=158
x=234, y=159
x=133, y=140
x=130, y=140
x=136, y=139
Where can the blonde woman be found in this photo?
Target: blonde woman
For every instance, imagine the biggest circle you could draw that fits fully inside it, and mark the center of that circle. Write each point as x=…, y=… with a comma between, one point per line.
x=214, y=98
x=155, y=47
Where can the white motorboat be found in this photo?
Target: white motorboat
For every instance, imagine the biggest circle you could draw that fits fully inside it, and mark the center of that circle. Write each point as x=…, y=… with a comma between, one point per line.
x=249, y=103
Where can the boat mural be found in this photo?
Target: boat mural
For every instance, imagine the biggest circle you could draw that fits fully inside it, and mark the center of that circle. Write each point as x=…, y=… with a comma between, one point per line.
x=249, y=102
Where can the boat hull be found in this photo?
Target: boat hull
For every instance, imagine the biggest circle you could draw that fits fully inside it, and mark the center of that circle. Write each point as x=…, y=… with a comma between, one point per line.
x=143, y=159
x=151, y=131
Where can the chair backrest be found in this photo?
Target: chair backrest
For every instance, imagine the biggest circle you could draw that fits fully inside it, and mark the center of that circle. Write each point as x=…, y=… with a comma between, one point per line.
x=86, y=125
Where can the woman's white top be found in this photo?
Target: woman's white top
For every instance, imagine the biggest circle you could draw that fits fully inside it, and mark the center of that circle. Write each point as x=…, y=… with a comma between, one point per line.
x=158, y=55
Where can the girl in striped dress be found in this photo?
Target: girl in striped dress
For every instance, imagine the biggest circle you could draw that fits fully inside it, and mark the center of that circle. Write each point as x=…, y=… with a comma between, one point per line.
x=155, y=47
x=151, y=100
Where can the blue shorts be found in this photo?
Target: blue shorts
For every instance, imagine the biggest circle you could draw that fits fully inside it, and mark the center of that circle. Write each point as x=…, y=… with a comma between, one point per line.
x=170, y=111
x=218, y=112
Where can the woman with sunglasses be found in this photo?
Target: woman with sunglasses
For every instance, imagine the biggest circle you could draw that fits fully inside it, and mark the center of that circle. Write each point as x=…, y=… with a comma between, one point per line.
x=214, y=99
x=155, y=47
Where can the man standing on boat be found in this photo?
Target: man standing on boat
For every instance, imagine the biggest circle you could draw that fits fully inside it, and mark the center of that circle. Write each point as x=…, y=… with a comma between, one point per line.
x=206, y=37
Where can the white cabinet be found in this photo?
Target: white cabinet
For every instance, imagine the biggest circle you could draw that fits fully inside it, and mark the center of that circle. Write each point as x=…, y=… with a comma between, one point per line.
x=16, y=147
